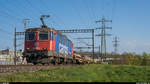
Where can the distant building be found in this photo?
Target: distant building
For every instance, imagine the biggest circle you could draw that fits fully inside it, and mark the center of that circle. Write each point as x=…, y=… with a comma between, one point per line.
x=4, y=52
x=10, y=52
x=7, y=55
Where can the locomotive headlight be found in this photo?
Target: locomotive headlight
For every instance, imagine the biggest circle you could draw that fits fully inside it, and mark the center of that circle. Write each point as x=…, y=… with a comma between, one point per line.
x=27, y=49
x=44, y=48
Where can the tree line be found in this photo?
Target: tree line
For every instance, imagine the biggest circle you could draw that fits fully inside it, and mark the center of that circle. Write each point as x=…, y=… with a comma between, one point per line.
x=129, y=59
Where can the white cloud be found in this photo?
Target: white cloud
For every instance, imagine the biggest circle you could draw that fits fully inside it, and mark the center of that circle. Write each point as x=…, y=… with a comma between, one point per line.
x=137, y=46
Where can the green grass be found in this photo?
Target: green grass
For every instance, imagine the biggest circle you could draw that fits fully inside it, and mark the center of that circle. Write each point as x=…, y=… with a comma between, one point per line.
x=84, y=73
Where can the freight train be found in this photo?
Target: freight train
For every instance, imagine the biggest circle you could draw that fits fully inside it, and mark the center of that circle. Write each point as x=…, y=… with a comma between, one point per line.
x=48, y=46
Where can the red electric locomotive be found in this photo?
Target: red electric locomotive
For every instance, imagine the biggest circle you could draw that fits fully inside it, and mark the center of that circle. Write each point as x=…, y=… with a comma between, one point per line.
x=47, y=46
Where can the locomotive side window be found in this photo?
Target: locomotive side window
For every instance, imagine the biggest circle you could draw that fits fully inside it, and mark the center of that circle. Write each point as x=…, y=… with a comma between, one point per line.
x=43, y=35
x=69, y=44
x=66, y=42
x=60, y=39
x=54, y=36
x=30, y=36
x=51, y=35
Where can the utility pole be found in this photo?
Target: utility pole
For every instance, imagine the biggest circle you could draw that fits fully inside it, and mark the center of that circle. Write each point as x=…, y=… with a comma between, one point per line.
x=25, y=23
x=15, y=47
x=103, y=35
x=115, y=44
x=93, y=43
x=99, y=51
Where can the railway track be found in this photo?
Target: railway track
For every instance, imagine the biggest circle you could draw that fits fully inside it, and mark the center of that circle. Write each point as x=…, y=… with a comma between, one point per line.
x=28, y=68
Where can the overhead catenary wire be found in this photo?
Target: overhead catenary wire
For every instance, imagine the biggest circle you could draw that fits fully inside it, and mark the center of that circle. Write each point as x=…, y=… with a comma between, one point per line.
x=87, y=44
x=103, y=7
x=4, y=31
x=53, y=14
x=88, y=10
x=113, y=8
x=33, y=6
x=8, y=13
x=78, y=13
x=92, y=10
x=25, y=13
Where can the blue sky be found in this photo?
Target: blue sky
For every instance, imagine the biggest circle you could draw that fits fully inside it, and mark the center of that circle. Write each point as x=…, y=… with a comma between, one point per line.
x=130, y=20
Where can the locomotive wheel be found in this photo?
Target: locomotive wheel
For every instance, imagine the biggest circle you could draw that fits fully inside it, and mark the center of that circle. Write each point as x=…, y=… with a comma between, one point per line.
x=55, y=63
x=71, y=61
x=63, y=63
x=74, y=61
x=34, y=63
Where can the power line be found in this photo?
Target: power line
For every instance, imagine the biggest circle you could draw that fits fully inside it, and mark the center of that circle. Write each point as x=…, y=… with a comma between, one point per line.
x=24, y=13
x=25, y=21
x=84, y=42
x=33, y=6
x=7, y=14
x=92, y=8
x=113, y=9
x=8, y=10
x=78, y=13
x=48, y=9
x=103, y=7
x=86, y=6
x=115, y=44
x=4, y=31
x=103, y=35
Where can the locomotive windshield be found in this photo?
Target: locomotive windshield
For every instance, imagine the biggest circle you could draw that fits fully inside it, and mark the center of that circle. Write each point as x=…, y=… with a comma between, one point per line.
x=43, y=35
x=30, y=36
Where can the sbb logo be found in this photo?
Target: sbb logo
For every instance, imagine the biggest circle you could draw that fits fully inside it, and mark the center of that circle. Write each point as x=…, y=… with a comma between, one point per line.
x=36, y=44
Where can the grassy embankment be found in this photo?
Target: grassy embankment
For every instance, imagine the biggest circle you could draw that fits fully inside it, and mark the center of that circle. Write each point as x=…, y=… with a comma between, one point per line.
x=84, y=73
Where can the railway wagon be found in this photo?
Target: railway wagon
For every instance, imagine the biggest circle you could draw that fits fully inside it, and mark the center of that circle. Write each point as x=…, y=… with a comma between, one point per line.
x=86, y=59
x=47, y=46
x=78, y=58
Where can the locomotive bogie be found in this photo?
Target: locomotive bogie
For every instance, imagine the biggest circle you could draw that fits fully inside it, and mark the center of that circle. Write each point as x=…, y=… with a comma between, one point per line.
x=47, y=57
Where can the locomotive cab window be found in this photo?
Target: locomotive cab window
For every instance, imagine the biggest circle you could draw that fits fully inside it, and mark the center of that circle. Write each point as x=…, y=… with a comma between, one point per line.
x=30, y=36
x=43, y=35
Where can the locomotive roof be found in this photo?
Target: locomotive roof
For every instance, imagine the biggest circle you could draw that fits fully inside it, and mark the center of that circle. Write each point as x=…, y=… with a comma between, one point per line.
x=46, y=29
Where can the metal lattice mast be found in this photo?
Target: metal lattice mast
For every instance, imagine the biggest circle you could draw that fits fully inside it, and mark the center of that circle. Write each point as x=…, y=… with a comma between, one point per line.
x=115, y=44
x=103, y=35
x=25, y=21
